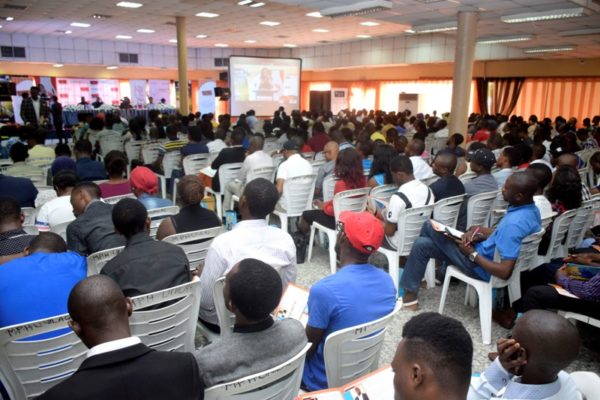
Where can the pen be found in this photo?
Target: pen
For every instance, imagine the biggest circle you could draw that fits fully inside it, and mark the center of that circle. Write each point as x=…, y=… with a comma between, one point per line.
x=474, y=234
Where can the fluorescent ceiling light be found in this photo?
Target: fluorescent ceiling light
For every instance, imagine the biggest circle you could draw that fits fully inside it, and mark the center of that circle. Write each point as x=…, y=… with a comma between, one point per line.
x=207, y=15
x=0, y=26
x=221, y=45
x=314, y=14
x=10, y=18
x=429, y=28
x=270, y=23
x=112, y=67
x=143, y=30
x=289, y=45
x=244, y=2
x=369, y=23
x=58, y=65
x=249, y=41
x=80, y=24
x=256, y=5
x=129, y=4
x=172, y=40
x=201, y=36
x=543, y=15
x=363, y=36
x=505, y=39
x=356, y=9
x=320, y=30
x=580, y=32
x=122, y=37
x=68, y=32
x=549, y=49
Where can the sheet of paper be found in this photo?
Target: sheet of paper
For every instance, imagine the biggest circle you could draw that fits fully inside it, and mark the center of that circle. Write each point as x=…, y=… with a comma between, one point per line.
x=208, y=171
x=446, y=229
x=293, y=304
x=563, y=292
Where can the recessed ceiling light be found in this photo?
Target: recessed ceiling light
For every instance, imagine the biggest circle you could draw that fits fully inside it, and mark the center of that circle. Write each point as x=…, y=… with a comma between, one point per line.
x=0, y=26
x=369, y=23
x=201, y=36
x=409, y=31
x=143, y=30
x=259, y=4
x=542, y=16
x=244, y=2
x=249, y=41
x=58, y=65
x=289, y=45
x=172, y=40
x=80, y=24
x=68, y=32
x=549, y=49
x=122, y=37
x=10, y=18
x=112, y=67
x=505, y=39
x=314, y=14
x=320, y=30
x=101, y=16
x=270, y=23
x=221, y=45
x=129, y=4
x=363, y=36
x=207, y=15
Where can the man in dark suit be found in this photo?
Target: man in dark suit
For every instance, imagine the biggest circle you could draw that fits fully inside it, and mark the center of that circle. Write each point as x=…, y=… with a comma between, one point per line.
x=229, y=155
x=93, y=230
x=34, y=109
x=57, y=119
x=118, y=365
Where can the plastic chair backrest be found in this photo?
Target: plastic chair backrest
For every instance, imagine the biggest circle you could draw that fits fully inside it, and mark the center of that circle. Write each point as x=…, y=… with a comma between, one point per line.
x=172, y=327
x=133, y=149
x=171, y=161
x=587, y=383
x=195, y=252
x=467, y=176
x=226, y=317
x=228, y=173
x=383, y=192
x=156, y=216
x=299, y=192
x=30, y=214
x=316, y=164
x=115, y=199
x=150, y=152
x=309, y=155
x=353, y=352
x=97, y=260
x=279, y=383
x=320, y=156
x=354, y=200
x=479, y=207
x=61, y=229
x=560, y=229
x=262, y=172
x=499, y=207
x=40, y=161
x=548, y=220
x=29, y=368
x=410, y=223
x=528, y=252
x=109, y=144
x=194, y=163
x=582, y=222
x=446, y=210
x=328, y=187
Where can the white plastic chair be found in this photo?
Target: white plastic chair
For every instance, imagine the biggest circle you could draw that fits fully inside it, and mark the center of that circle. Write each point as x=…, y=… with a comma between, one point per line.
x=329, y=187
x=582, y=222
x=353, y=352
x=573, y=316
x=29, y=368
x=171, y=161
x=194, y=163
x=61, y=229
x=42, y=162
x=227, y=173
x=188, y=241
x=150, y=152
x=316, y=164
x=279, y=383
x=156, y=216
x=226, y=317
x=30, y=214
x=320, y=156
x=445, y=211
x=133, y=149
x=354, y=200
x=267, y=173
x=309, y=155
x=410, y=222
x=382, y=192
x=172, y=327
x=484, y=289
x=558, y=242
x=479, y=207
x=499, y=207
x=299, y=192
x=115, y=199
x=97, y=260
x=587, y=383
x=467, y=176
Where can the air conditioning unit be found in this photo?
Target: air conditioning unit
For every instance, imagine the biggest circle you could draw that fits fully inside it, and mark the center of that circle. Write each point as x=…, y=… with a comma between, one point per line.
x=361, y=8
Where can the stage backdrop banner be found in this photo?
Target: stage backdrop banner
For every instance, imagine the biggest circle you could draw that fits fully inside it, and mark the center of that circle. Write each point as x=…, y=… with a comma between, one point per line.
x=107, y=90
x=159, y=89
x=138, y=91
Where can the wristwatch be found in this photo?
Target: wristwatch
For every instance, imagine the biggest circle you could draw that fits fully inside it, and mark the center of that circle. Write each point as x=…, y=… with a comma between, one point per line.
x=473, y=256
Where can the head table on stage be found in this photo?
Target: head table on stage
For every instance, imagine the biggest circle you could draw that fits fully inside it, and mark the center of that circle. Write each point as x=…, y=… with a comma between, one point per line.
x=70, y=113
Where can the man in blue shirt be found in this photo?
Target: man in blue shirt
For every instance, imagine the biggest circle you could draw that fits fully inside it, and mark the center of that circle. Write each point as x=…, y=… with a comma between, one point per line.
x=22, y=189
x=37, y=286
x=88, y=169
x=357, y=294
x=474, y=253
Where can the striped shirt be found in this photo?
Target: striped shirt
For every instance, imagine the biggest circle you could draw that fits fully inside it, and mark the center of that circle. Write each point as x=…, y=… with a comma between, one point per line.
x=171, y=145
x=585, y=290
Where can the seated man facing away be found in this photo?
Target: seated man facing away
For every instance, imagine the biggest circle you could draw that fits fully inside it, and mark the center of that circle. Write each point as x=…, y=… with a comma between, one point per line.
x=530, y=364
x=58, y=211
x=543, y=175
x=93, y=229
x=433, y=359
x=13, y=239
x=251, y=237
x=229, y=155
x=118, y=365
x=19, y=154
x=331, y=151
x=145, y=265
x=144, y=184
x=293, y=166
x=421, y=169
x=88, y=169
x=508, y=159
x=448, y=185
x=22, y=189
x=252, y=291
x=474, y=254
x=37, y=285
x=358, y=293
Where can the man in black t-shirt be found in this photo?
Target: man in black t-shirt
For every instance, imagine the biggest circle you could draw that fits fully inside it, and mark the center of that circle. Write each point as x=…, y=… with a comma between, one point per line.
x=13, y=239
x=448, y=185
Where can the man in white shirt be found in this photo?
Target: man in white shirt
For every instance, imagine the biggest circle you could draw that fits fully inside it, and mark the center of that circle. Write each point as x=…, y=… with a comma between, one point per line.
x=293, y=166
x=215, y=146
x=530, y=364
x=442, y=129
x=255, y=158
x=421, y=169
x=411, y=193
x=250, y=238
x=508, y=159
x=59, y=210
x=543, y=175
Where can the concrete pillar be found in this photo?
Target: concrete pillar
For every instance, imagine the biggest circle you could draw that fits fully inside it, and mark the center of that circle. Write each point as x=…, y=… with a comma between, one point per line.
x=463, y=71
x=182, y=66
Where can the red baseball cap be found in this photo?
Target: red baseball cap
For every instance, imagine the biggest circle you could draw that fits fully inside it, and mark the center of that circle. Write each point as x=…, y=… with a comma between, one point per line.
x=363, y=230
x=144, y=179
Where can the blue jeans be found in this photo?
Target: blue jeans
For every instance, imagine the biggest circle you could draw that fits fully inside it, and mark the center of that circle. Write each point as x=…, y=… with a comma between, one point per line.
x=432, y=244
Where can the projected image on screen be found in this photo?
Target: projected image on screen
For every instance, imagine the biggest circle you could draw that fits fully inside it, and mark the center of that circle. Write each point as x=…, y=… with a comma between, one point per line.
x=264, y=84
